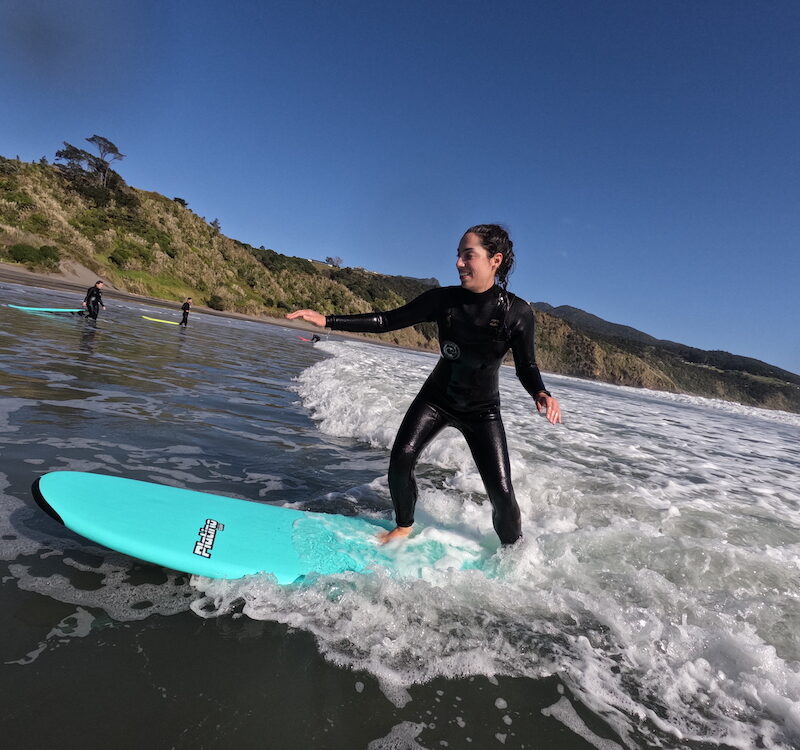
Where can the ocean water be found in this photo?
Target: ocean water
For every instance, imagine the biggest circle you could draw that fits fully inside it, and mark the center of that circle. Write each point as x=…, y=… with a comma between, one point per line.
x=654, y=600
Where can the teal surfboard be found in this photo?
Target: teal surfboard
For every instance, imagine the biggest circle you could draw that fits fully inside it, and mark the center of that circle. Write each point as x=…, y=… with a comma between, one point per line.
x=223, y=537
x=158, y=320
x=47, y=309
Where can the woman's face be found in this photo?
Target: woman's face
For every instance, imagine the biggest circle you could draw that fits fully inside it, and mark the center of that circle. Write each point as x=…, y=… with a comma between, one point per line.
x=475, y=268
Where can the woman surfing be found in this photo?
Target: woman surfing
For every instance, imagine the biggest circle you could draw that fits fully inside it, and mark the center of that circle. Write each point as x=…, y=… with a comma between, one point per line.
x=478, y=321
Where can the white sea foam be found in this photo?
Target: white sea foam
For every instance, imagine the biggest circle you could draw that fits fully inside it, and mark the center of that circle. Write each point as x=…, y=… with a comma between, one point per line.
x=76, y=625
x=565, y=712
x=658, y=574
x=403, y=736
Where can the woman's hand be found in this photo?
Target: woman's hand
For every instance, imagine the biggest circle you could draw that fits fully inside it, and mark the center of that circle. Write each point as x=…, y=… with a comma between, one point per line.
x=310, y=316
x=550, y=407
x=399, y=532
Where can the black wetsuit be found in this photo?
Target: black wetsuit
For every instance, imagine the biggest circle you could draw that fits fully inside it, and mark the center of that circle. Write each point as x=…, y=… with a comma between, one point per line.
x=475, y=332
x=185, y=319
x=93, y=300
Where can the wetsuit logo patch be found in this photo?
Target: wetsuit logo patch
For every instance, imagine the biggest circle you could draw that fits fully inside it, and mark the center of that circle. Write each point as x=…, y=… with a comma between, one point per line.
x=450, y=350
x=208, y=535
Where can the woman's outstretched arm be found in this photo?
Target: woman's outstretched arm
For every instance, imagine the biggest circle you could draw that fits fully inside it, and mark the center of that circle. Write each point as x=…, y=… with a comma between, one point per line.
x=418, y=310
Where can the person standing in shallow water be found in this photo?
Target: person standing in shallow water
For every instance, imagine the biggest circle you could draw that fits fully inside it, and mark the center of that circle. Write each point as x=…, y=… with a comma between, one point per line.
x=478, y=321
x=93, y=300
x=185, y=307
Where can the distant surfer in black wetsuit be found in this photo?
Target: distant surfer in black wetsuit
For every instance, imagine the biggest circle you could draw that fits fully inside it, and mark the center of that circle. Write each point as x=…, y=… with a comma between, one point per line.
x=185, y=307
x=93, y=300
x=478, y=322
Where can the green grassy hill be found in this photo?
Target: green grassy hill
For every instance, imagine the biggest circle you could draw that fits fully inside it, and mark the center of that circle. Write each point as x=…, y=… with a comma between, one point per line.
x=145, y=243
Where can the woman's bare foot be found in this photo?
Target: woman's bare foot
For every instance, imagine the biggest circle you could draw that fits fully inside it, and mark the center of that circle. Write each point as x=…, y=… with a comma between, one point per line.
x=396, y=533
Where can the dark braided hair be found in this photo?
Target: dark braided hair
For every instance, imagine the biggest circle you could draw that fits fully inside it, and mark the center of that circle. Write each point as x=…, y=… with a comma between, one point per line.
x=495, y=239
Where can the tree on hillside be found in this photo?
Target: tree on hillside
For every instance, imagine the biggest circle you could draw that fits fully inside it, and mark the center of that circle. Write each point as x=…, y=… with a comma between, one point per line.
x=76, y=160
x=81, y=163
x=108, y=153
x=216, y=226
x=181, y=201
x=334, y=261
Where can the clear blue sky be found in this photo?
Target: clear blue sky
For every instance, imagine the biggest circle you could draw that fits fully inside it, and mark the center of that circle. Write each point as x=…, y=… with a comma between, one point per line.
x=645, y=155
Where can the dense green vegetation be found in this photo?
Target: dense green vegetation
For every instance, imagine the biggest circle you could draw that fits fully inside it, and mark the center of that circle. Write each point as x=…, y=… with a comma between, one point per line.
x=44, y=257
x=146, y=243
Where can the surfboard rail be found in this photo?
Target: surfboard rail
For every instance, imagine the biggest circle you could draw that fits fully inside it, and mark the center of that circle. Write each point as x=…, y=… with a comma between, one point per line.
x=43, y=504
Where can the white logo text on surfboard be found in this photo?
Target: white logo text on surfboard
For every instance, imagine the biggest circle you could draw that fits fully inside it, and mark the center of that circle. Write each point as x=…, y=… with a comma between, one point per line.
x=208, y=533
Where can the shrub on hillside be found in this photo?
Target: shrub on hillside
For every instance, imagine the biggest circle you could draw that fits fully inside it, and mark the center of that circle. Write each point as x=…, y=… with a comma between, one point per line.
x=13, y=193
x=35, y=223
x=91, y=222
x=275, y=262
x=125, y=219
x=128, y=254
x=44, y=257
x=8, y=166
x=215, y=302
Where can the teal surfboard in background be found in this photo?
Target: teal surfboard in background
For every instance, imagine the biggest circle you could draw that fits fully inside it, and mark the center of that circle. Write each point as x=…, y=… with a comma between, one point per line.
x=224, y=537
x=47, y=309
